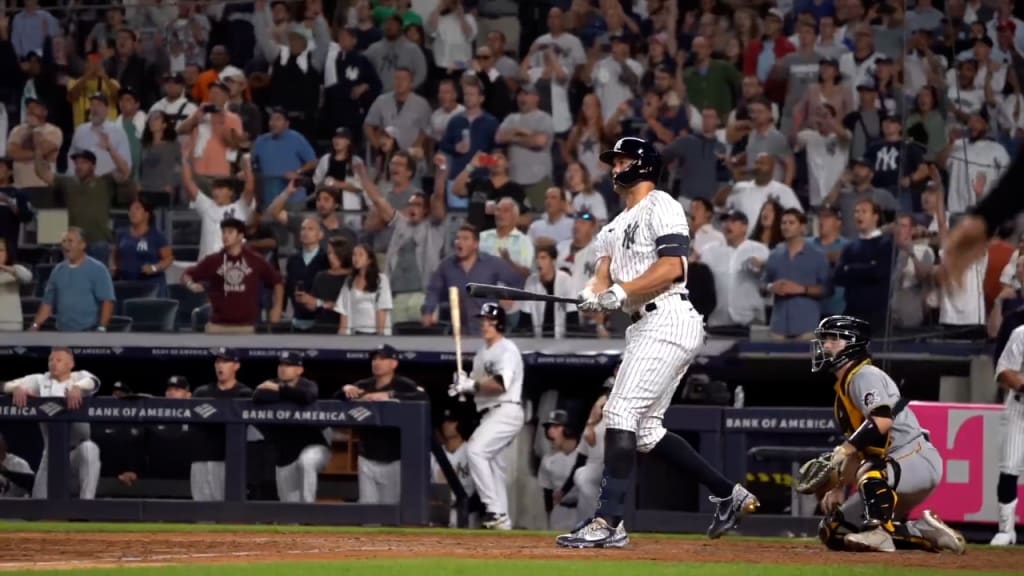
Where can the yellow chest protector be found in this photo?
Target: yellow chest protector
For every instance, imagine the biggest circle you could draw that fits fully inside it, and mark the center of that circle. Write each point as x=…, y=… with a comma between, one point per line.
x=845, y=411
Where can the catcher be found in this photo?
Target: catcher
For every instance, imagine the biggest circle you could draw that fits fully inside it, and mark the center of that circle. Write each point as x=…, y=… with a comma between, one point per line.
x=886, y=457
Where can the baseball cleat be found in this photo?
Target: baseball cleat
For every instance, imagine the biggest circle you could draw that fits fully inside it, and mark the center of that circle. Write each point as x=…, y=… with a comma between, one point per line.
x=1003, y=539
x=496, y=521
x=936, y=531
x=875, y=540
x=595, y=533
x=731, y=510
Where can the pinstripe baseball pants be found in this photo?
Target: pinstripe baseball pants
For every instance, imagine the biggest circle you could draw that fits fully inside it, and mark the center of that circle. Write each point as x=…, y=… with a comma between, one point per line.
x=659, y=350
x=1012, y=462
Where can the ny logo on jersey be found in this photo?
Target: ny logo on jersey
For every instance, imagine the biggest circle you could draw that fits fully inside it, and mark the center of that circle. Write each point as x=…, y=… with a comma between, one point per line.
x=629, y=236
x=489, y=368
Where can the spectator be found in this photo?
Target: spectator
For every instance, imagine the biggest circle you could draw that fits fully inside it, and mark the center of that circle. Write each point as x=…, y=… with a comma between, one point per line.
x=233, y=277
x=31, y=28
x=765, y=139
x=402, y=108
x=89, y=195
x=216, y=135
x=556, y=468
x=467, y=135
x=365, y=300
x=453, y=31
x=555, y=225
x=859, y=66
x=587, y=138
x=828, y=88
x=711, y=83
x=327, y=286
x=219, y=60
x=133, y=121
x=498, y=43
x=926, y=114
x=548, y=318
x=578, y=255
x=467, y=264
x=506, y=241
x=217, y=207
x=365, y=29
x=865, y=123
x=101, y=137
x=327, y=205
x=34, y=137
x=749, y=196
x=700, y=154
x=484, y=192
x=394, y=52
x=830, y=44
x=762, y=53
x=335, y=172
x=160, y=161
x=301, y=270
x=962, y=310
x=498, y=88
x=141, y=252
x=798, y=70
x=63, y=381
x=529, y=134
x=207, y=471
x=12, y=276
x=15, y=209
x=914, y=271
x=615, y=77
x=975, y=163
x=380, y=467
x=131, y=69
x=751, y=89
x=79, y=290
x=351, y=84
x=447, y=108
x=553, y=61
x=831, y=243
x=827, y=143
x=301, y=449
x=797, y=275
x=736, y=266
x=702, y=229
x=105, y=33
x=768, y=230
x=898, y=165
x=1011, y=118
x=187, y=37
x=585, y=197
x=865, y=267
x=855, y=186
x=282, y=156
x=175, y=104
x=963, y=95
x=16, y=476
x=249, y=113
x=398, y=189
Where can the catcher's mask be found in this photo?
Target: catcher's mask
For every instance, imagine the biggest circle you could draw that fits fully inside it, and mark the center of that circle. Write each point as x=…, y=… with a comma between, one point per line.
x=838, y=340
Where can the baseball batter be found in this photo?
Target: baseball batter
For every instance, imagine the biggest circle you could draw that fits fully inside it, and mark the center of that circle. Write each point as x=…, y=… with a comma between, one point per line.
x=641, y=269
x=1010, y=375
x=497, y=385
x=886, y=454
x=62, y=381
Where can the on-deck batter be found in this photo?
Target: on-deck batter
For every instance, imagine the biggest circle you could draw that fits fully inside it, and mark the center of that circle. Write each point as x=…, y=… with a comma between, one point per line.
x=641, y=268
x=1010, y=375
x=497, y=385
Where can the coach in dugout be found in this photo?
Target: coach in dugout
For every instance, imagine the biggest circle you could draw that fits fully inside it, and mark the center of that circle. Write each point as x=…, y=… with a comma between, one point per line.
x=380, y=470
x=301, y=449
x=207, y=474
x=62, y=382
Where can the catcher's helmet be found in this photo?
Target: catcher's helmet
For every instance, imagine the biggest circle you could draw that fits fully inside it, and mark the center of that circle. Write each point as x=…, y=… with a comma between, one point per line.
x=854, y=332
x=646, y=164
x=494, y=312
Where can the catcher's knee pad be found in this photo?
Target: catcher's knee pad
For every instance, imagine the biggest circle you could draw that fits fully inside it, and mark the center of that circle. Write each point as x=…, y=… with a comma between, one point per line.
x=832, y=529
x=879, y=498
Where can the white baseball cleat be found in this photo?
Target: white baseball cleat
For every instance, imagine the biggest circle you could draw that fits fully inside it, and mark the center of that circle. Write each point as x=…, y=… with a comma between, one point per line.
x=1003, y=539
x=876, y=540
x=939, y=533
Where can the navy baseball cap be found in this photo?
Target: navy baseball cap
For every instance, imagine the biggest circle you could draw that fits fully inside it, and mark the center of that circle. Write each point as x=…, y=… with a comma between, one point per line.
x=290, y=358
x=228, y=354
x=828, y=210
x=738, y=215
x=862, y=161
x=386, y=351
x=99, y=97
x=178, y=382
x=84, y=155
x=123, y=387
x=557, y=418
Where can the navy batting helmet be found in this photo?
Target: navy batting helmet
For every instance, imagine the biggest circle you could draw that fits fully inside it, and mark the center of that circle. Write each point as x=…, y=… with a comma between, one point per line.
x=494, y=312
x=854, y=332
x=646, y=166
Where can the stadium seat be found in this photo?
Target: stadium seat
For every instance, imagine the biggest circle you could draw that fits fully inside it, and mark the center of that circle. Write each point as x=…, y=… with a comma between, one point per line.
x=151, y=314
x=119, y=324
x=131, y=290
x=417, y=329
x=42, y=274
x=29, y=306
x=27, y=289
x=185, y=253
x=200, y=317
x=188, y=301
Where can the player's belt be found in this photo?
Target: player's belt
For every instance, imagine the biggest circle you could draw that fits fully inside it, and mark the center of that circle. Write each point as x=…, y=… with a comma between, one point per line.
x=489, y=408
x=651, y=307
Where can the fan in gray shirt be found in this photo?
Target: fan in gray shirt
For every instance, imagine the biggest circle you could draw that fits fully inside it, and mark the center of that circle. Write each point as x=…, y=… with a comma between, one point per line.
x=393, y=52
x=528, y=134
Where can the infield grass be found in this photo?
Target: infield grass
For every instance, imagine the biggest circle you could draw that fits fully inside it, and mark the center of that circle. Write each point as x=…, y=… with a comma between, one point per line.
x=441, y=567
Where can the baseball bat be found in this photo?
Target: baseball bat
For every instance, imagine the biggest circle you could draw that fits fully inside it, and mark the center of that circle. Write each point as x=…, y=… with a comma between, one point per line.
x=515, y=294
x=456, y=314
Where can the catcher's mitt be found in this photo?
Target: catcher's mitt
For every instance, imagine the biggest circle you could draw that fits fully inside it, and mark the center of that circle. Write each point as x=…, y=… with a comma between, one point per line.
x=818, y=475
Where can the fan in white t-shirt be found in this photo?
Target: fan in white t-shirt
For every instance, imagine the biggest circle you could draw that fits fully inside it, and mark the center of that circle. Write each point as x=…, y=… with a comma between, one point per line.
x=749, y=196
x=364, y=302
x=828, y=148
x=220, y=205
x=975, y=163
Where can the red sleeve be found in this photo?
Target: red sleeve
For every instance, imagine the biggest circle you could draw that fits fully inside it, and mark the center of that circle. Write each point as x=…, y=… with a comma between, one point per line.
x=750, y=58
x=267, y=273
x=784, y=47
x=205, y=269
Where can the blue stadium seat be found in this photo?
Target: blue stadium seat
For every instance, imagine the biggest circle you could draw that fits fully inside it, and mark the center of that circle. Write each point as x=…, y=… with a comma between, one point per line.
x=131, y=290
x=151, y=314
x=188, y=301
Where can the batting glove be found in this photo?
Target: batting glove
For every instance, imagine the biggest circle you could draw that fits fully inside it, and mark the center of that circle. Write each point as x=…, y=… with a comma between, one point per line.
x=463, y=384
x=588, y=301
x=612, y=298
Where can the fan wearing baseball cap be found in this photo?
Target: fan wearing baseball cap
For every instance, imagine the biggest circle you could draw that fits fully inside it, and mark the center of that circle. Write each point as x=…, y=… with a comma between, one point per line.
x=380, y=470
x=736, y=266
x=301, y=449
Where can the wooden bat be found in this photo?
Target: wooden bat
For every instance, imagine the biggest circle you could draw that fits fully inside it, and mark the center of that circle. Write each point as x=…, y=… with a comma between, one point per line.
x=456, y=314
x=515, y=294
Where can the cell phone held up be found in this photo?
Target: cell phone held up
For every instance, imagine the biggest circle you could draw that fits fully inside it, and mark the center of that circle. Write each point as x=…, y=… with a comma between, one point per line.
x=210, y=109
x=487, y=160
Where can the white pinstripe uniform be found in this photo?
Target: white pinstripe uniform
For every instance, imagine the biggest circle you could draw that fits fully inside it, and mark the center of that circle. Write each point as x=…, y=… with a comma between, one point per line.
x=666, y=339
x=1012, y=358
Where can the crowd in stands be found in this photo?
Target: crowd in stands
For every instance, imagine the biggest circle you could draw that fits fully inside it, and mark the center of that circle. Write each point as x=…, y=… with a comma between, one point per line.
x=347, y=161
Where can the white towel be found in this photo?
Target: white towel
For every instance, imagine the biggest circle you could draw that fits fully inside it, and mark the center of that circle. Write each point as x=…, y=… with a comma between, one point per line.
x=331, y=65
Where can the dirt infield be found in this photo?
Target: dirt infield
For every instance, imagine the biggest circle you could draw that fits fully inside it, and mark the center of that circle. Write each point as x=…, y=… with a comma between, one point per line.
x=49, y=550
